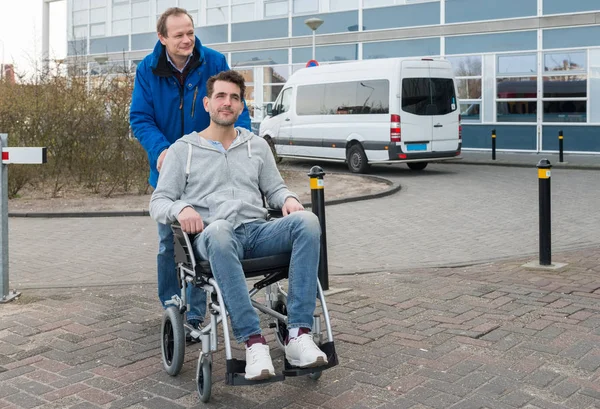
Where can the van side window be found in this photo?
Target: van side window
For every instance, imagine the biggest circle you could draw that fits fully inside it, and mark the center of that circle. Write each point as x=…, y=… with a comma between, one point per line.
x=428, y=96
x=344, y=98
x=286, y=101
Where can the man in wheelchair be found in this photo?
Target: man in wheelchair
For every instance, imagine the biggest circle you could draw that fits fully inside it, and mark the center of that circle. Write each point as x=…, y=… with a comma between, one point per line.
x=213, y=184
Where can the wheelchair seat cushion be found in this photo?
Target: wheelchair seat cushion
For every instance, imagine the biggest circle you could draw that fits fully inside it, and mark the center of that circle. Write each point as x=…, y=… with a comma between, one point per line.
x=255, y=266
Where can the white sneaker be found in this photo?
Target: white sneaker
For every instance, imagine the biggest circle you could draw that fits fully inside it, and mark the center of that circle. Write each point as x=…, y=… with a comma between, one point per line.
x=304, y=353
x=258, y=362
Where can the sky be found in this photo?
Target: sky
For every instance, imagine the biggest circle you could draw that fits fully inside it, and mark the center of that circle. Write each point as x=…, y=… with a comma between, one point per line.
x=21, y=32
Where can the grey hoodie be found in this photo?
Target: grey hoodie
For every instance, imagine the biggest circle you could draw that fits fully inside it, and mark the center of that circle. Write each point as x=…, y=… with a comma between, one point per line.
x=218, y=185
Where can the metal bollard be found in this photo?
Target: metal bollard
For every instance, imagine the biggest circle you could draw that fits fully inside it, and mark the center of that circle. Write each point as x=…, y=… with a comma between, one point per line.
x=560, y=146
x=544, y=167
x=494, y=144
x=317, y=196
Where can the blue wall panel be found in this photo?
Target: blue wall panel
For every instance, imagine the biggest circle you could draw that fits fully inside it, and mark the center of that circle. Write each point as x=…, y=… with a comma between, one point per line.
x=571, y=6
x=507, y=136
x=409, y=15
x=576, y=138
x=485, y=43
x=571, y=37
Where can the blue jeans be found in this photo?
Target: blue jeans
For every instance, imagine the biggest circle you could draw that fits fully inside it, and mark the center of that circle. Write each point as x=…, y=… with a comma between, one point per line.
x=168, y=283
x=224, y=247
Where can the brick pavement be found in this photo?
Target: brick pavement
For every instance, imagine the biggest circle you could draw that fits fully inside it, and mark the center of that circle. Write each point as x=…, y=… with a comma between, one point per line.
x=491, y=336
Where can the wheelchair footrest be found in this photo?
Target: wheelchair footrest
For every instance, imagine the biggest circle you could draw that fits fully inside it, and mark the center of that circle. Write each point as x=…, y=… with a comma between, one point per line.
x=332, y=360
x=235, y=374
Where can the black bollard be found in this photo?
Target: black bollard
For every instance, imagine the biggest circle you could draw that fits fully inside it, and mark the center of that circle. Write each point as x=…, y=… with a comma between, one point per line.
x=560, y=146
x=544, y=167
x=317, y=197
x=494, y=144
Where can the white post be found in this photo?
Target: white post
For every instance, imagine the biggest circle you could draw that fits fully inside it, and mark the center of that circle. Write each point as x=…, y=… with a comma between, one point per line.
x=313, y=45
x=6, y=295
x=45, y=35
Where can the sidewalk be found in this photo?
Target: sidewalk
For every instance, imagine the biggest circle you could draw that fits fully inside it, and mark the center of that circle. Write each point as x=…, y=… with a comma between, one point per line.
x=486, y=336
x=571, y=161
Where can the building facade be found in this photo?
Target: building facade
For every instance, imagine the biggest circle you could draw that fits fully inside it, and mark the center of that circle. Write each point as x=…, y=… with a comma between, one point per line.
x=527, y=68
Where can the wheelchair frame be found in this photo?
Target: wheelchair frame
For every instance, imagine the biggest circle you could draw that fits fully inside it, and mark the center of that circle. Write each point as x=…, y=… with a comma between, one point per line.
x=174, y=328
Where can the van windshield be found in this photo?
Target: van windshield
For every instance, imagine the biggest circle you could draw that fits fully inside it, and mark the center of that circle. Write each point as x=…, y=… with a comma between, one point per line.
x=428, y=96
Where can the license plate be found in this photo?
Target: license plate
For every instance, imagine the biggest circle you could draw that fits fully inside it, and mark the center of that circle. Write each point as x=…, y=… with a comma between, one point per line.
x=416, y=147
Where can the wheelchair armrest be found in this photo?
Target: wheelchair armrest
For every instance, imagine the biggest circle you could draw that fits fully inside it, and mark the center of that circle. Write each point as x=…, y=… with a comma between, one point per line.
x=274, y=213
x=182, y=245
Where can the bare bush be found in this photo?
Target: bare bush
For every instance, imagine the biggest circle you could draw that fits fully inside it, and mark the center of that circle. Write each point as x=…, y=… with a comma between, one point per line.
x=83, y=121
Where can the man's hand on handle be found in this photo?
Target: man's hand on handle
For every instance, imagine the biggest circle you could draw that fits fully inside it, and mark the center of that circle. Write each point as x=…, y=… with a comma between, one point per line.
x=190, y=221
x=160, y=159
x=291, y=205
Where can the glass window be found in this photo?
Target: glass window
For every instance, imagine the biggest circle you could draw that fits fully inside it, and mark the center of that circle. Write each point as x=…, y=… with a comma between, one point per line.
x=338, y=5
x=469, y=88
x=345, y=52
x=188, y=4
x=402, y=48
x=571, y=6
x=565, y=111
x=517, y=64
x=256, y=30
x=471, y=111
x=242, y=12
x=80, y=5
x=520, y=87
x=98, y=3
x=565, y=86
x=97, y=30
x=595, y=85
x=378, y=3
x=121, y=12
x=571, y=37
x=565, y=61
x=140, y=9
x=401, y=16
x=80, y=17
x=428, y=96
x=98, y=15
x=275, y=74
x=485, y=43
x=77, y=47
x=466, y=66
x=162, y=5
x=263, y=57
x=270, y=92
x=341, y=22
x=212, y=34
x=284, y=104
x=344, y=98
x=120, y=27
x=276, y=8
x=80, y=32
x=516, y=111
x=216, y=15
x=140, y=24
x=305, y=6
x=476, y=10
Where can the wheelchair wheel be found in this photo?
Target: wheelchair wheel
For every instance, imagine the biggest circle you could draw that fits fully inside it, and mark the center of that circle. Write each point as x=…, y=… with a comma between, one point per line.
x=172, y=340
x=281, y=331
x=204, y=377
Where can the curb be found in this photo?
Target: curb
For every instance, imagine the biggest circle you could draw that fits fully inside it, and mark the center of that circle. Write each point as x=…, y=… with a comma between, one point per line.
x=505, y=163
x=394, y=187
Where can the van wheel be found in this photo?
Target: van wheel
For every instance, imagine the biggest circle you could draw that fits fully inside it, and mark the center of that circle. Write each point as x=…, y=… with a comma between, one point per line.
x=417, y=165
x=273, y=150
x=357, y=160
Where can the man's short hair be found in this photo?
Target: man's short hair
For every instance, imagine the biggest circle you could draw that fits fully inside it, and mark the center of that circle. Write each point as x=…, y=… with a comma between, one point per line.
x=228, y=76
x=161, y=24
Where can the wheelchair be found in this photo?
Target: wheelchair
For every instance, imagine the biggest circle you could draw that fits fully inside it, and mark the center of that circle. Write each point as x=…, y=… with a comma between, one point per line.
x=198, y=273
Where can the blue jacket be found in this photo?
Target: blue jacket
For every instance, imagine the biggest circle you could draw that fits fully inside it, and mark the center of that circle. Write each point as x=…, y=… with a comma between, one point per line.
x=162, y=111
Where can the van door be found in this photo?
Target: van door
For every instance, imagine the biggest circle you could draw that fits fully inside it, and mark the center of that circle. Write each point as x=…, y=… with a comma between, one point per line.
x=446, y=117
x=415, y=122
x=280, y=127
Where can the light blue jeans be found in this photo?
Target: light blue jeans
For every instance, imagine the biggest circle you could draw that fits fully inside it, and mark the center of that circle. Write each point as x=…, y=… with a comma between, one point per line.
x=168, y=284
x=224, y=247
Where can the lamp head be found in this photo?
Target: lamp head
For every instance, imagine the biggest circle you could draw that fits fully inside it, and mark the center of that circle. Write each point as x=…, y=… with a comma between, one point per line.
x=313, y=23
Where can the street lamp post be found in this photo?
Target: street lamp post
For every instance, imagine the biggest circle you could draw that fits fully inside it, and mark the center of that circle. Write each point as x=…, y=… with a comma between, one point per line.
x=313, y=23
x=2, y=62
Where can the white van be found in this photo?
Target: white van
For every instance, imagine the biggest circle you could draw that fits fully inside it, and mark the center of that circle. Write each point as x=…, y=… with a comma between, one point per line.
x=366, y=112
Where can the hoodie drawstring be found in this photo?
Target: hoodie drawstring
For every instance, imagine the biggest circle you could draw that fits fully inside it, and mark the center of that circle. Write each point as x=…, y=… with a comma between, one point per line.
x=249, y=149
x=189, y=162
